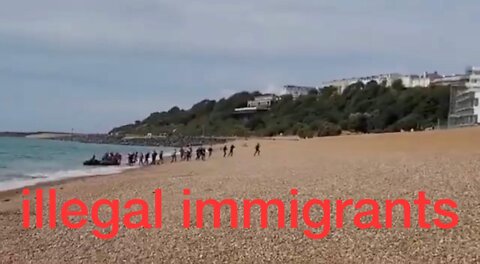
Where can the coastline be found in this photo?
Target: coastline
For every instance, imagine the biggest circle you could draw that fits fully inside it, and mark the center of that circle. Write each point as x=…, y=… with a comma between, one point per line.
x=10, y=193
x=5, y=194
x=377, y=166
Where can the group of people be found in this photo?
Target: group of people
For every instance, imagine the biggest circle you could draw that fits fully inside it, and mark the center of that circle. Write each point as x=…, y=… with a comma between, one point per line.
x=144, y=159
x=232, y=148
x=111, y=158
x=230, y=153
x=187, y=152
x=156, y=158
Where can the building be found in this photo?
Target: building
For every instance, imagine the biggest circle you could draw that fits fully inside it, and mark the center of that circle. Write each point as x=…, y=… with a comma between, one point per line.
x=451, y=80
x=264, y=101
x=408, y=80
x=297, y=91
x=341, y=84
x=423, y=80
x=259, y=103
x=464, y=97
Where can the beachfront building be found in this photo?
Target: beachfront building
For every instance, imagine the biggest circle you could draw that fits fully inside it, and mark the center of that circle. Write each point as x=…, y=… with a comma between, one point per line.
x=455, y=80
x=423, y=80
x=263, y=101
x=296, y=91
x=341, y=84
x=464, y=97
x=258, y=104
x=408, y=80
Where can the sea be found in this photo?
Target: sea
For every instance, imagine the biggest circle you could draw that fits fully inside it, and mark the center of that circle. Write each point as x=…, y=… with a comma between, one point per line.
x=26, y=161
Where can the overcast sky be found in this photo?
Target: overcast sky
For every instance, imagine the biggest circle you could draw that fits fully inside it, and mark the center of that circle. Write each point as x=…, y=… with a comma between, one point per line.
x=91, y=65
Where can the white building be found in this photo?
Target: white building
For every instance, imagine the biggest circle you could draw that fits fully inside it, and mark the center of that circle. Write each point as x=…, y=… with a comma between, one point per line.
x=297, y=91
x=259, y=103
x=341, y=84
x=264, y=101
x=454, y=80
x=464, y=106
x=423, y=80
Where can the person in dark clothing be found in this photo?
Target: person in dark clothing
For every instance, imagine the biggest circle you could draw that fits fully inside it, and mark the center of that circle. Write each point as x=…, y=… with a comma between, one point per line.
x=257, y=150
x=210, y=151
x=154, y=157
x=147, y=157
x=198, y=152
x=225, y=151
x=182, y=154
x=189, y=153
x=131, y=159
x=160, y=157
x=203, y=153
x=232, y=147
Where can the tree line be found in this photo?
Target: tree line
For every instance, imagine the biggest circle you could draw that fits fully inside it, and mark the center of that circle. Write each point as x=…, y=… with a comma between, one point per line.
x=362, y=108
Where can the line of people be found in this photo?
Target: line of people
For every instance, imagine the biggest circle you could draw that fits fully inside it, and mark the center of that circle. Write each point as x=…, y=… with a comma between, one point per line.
x=148, y=158
x=185, y=154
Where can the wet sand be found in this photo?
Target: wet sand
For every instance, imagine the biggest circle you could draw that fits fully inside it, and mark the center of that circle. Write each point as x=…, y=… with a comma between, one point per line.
x=444, y=164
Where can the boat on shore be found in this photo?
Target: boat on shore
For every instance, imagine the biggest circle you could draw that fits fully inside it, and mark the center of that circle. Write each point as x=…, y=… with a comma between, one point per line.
x=95, y=162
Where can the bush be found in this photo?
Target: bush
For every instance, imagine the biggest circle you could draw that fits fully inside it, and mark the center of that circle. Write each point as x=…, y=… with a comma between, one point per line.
x=328, y=129
x=409, y=122
x=360, y=108
x=358, y=122
x=305, y=132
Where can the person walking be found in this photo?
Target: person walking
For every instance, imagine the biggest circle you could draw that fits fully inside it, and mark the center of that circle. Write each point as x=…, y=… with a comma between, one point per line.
x=160, y=157
x=257, y=150
x=154, y=157
x=210, y=151
x=225, y=151
x=232, y=147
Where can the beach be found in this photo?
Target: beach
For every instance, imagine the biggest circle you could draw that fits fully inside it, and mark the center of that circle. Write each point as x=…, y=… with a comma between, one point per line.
x=444, y=164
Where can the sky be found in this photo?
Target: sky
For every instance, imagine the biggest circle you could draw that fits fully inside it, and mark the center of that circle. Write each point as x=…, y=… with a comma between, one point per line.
x=93, y=65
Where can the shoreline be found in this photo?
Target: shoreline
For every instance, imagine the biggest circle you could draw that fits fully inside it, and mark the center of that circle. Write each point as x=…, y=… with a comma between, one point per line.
x=239, y=142
x=379, y=167
x=9, y=193
x=5, y=194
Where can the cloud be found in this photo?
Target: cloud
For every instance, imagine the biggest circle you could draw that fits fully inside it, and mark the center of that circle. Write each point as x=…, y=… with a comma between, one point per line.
x=95, y=64
x=242, y=28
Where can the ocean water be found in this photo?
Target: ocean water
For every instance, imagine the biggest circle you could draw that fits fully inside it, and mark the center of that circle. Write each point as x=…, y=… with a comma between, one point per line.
x=25, y=161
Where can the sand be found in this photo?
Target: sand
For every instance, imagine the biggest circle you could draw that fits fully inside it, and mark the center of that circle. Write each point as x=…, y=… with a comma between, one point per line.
x=444, y=164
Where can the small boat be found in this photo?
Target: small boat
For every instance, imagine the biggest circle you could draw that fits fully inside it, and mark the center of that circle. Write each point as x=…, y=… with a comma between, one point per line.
x=94, y=162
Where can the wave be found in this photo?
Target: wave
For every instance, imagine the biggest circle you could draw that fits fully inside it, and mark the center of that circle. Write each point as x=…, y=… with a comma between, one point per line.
x=30, y=179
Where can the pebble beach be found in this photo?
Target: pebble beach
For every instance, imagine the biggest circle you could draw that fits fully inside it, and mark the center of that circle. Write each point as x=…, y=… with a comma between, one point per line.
x=444, y=164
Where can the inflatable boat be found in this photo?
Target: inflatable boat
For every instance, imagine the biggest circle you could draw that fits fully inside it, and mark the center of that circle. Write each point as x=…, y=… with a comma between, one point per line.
x=101, y=163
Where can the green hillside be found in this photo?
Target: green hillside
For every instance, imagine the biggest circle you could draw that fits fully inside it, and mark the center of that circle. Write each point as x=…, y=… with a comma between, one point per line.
x=370, y=108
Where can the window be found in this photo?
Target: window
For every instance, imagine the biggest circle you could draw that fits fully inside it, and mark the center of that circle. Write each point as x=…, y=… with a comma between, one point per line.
x=476, y=101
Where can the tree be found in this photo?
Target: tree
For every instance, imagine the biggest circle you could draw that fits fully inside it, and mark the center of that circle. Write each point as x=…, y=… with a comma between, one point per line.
x=326, y=128
x=358, y=122
x=398, y=85
x=313, y=92
x=328, y=91
x=366, y=108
